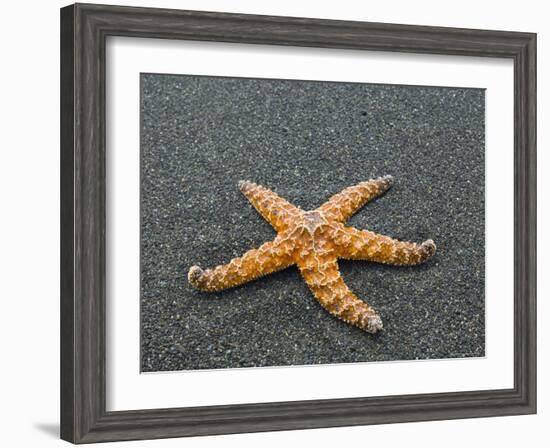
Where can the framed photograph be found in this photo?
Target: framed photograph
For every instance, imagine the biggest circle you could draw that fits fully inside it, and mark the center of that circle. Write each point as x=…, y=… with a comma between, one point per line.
x=273, y=223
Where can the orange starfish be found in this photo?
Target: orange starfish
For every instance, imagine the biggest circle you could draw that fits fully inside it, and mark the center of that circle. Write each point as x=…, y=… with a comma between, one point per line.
x=314, y=240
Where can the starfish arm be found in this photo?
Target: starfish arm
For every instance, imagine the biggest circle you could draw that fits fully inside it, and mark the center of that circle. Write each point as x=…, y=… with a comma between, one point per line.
x=343, y=205
x=275, y=210
x=269, y=257
x=357, y=244
x=328, y=287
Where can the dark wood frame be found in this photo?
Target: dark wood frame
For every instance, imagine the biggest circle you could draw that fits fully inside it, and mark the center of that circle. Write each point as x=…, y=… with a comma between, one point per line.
x=84, y=29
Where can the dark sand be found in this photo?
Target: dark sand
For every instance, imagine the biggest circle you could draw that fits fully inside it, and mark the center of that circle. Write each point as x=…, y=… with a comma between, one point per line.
x=307, y=141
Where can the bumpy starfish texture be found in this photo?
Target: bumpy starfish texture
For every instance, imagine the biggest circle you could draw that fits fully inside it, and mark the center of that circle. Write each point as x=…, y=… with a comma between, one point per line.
x=314, y=241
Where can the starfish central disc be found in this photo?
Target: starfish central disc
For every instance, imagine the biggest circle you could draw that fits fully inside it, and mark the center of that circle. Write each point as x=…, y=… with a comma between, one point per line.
x=313, y=220
x=314, y=241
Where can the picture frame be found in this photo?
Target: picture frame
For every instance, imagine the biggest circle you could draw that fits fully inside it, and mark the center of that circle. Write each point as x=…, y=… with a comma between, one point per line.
x=84, y=29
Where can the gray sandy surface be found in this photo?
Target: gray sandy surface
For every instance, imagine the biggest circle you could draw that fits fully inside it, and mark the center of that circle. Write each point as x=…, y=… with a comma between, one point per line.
x=307, y=141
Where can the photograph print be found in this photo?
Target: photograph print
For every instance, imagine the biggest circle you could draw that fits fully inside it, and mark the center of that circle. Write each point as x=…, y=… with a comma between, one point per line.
x=296, y=222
